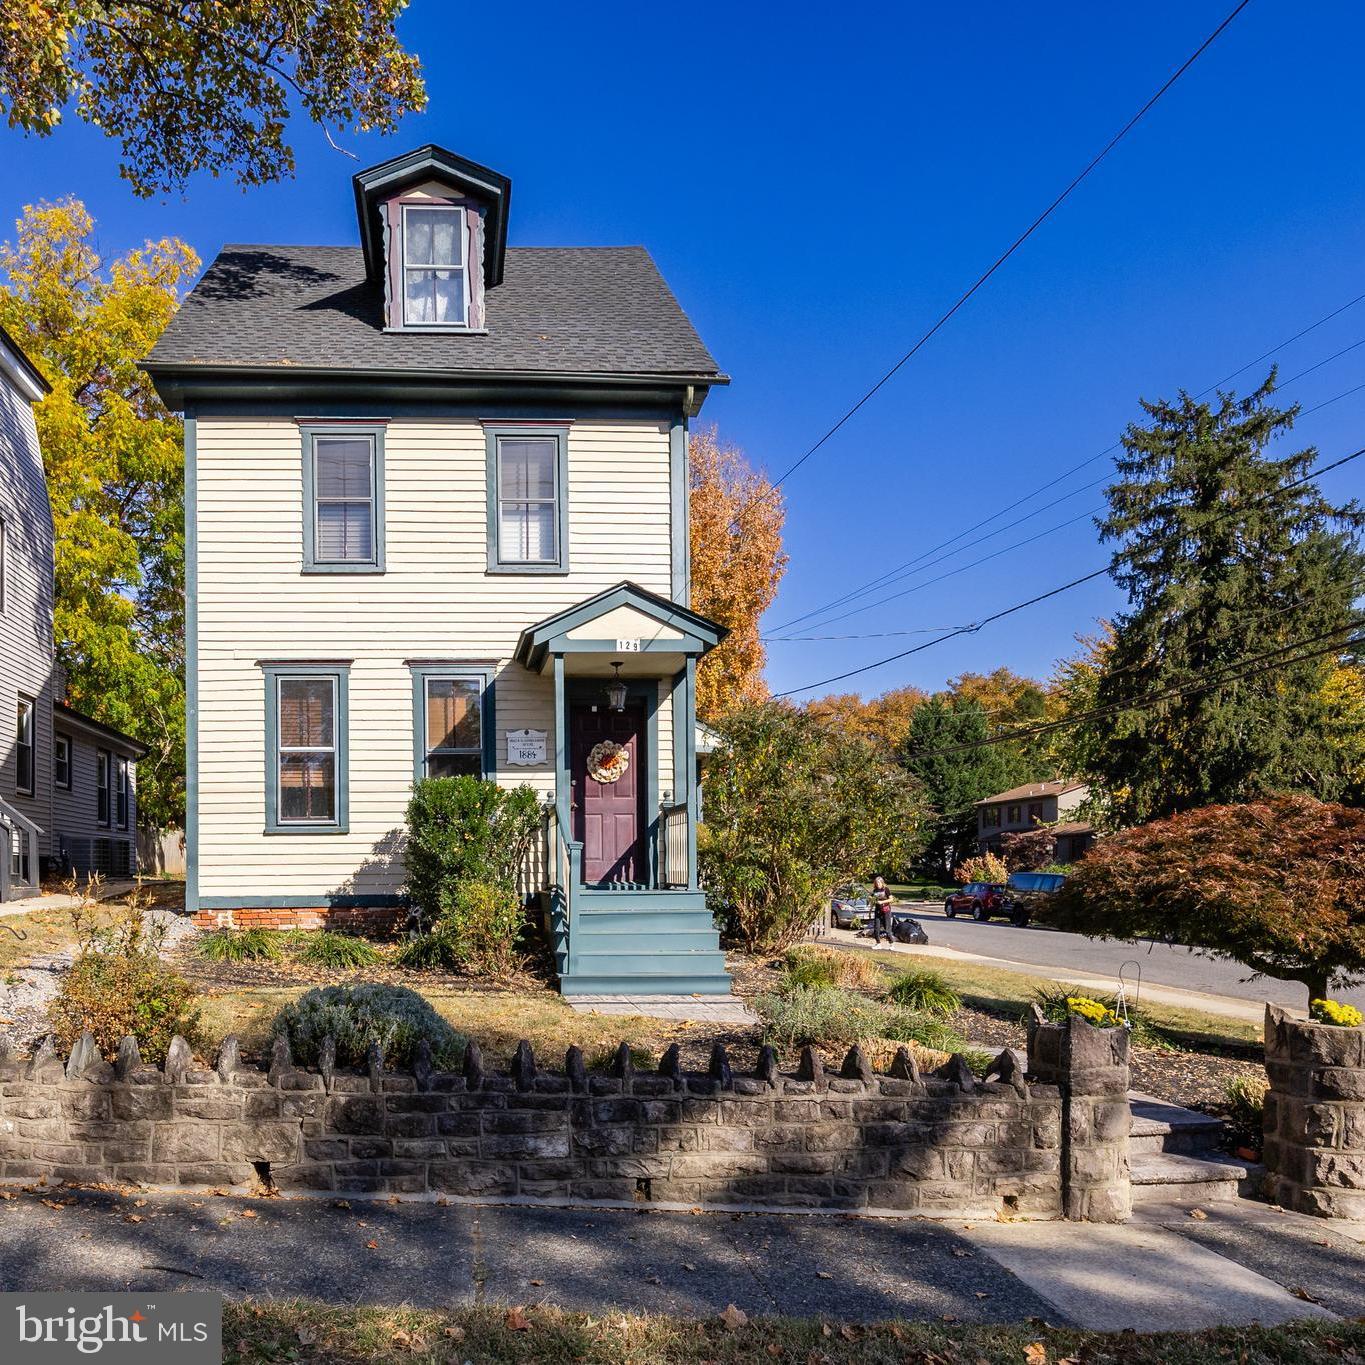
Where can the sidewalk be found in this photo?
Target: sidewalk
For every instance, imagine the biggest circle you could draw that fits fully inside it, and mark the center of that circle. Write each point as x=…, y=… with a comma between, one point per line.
x=62, y=901
x=1243, y=1263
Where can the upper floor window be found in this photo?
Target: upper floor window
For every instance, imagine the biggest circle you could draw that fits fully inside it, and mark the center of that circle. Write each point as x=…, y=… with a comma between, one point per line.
x=23, y=749
x=1012, y=815
x=103, y=764
x=1035, y=810
x=435, y=275
x=61, y=761
x=528, y=501
x=990, y=817
x=343, y=485
x=121, y=789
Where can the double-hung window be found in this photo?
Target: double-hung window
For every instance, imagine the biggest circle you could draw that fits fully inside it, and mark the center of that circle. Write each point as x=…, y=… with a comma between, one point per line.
x=103, y=766
x=61, y=761
x=528, y=515
x=23, y=748
x=343, y=485
x=306, y=722
x=121, y=791
x=453, y=730
x=435, y=275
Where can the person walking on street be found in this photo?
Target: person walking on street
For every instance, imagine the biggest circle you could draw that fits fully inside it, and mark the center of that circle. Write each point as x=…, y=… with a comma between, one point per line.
x=880, y=900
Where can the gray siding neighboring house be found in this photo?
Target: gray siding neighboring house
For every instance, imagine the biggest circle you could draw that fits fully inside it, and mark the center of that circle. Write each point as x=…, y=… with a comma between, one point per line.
x=41, y=823
x=1027, y=807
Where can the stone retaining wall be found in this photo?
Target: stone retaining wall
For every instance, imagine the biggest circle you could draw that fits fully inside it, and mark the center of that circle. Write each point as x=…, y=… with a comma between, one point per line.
x=1315, y=1116
x=898, y=1143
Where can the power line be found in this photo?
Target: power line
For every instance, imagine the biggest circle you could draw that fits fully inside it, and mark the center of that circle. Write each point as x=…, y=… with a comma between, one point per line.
x=894, y=576
x=1014, y=246
x=1053, y=592
x=1145, y=703
x=910, y=565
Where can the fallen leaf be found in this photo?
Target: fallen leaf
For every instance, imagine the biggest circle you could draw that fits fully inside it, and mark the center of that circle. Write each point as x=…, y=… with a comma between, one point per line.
x=1299, y=1292
x=981, y=1294
x=849, y=1333
x=687, y=1265
x=454, y=1333
x=734, y=1318
x=139, y=1203
x=250, y=1213
x=537, y=1283
x=1199, y=1214
x=961, y=1251
x=823, y=1275
x=516, y=1321
x=372, y=1245
x=774, y=1350
x=1035, y=1353
x=132, y=1218
x=825, y=1330
x=341, y=1203
x=52, y=1204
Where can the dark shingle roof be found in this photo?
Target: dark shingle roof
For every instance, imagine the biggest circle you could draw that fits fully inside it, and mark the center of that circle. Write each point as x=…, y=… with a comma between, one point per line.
x=559, y=310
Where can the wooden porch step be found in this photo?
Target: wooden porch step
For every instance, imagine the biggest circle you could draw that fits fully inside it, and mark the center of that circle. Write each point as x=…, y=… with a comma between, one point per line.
x=647, y=983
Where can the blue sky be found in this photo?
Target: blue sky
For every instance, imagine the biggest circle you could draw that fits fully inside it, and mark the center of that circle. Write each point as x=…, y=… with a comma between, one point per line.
x=818, y=185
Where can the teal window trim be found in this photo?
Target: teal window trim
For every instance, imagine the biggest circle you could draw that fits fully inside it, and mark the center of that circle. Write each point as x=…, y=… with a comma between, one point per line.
x=484, y=676
x=374, y=433
x=559, y=433
x=340, y=674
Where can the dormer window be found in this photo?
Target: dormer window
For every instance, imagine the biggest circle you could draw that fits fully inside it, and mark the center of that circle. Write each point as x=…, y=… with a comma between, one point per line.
x=435, y=275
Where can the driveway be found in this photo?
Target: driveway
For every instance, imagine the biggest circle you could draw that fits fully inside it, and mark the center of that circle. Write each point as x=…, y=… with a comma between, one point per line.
x=1067, y=957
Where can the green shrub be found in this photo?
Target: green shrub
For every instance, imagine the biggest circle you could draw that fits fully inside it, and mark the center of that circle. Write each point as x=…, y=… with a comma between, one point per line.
x=118, y=985
x=427, y=952
x=323, y=948
x=906, y=1026
x=1246, y=1102
x=241, y=945
x=926, y=991
x=836, y=1018
x=355, y=1016
x=483, y=923
x=465, y=829
x=813, y=964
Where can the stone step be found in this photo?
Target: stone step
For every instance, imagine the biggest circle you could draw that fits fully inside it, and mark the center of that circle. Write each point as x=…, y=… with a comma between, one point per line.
x=1162, y=1127
x=1165, y=1177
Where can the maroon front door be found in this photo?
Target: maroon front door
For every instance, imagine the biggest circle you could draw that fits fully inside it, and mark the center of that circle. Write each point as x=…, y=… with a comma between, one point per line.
x=608, y=816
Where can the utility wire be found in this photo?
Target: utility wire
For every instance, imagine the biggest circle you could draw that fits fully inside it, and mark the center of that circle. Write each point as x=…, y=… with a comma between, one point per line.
x=1261, y=661
x=1001, y=259
x=1064, y=587
x=910, y=565
x=1018, y=544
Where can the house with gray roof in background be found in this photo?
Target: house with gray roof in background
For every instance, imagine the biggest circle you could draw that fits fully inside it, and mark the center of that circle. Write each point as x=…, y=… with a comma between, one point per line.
x=437, y=524
x=68, y=784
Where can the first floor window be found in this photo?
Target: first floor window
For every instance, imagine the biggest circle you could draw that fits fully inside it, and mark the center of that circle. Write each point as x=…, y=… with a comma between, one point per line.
x=61, y=761
x=452, y=711
x=121, y=791
x=306, y=749
x=23, y=749
x=103, y=765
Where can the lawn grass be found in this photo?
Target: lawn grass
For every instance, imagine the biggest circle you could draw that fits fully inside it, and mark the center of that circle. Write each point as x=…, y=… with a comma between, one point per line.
x=920, y=891
x=46, y=932
x=1000, y=991
x=294, y=1331
x=498, y=1020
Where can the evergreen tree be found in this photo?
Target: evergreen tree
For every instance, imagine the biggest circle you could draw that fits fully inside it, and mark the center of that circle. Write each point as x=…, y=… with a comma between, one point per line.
x=1221, y=559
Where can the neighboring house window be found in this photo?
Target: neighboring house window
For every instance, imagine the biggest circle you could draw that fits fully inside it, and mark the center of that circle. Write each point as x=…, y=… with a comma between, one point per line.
x=453, y=726
x=306, y=746
x=121, y=791
x=990, y=817
x=1035, y=810
x=434, y=273
x=103, y=763
x=23, y=749
x=343, y=489
x=527, y=500
x=61, y=761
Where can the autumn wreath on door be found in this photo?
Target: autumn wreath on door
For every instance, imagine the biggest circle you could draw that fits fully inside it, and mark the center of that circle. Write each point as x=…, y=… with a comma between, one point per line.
x=608, y=761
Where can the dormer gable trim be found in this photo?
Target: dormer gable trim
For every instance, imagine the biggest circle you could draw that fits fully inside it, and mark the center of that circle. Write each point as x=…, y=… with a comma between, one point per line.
x=460, y=177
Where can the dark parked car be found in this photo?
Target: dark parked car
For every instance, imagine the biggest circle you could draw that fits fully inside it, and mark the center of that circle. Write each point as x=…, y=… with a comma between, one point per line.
x=907, y=929
x=980, y=900
x=1025, y=890
x=849, y=909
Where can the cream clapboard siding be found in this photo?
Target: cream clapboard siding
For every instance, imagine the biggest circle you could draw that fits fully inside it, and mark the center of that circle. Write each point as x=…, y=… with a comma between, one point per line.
x=435, y=601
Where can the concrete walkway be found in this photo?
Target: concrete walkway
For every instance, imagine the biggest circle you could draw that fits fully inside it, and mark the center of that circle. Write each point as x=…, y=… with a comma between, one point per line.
x=60, y=900
x=711, y=1009
x=1242, y=1263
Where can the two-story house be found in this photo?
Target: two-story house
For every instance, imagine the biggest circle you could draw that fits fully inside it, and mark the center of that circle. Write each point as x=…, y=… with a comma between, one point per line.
x=1034, y=805
x=437, y=501
x=68, y=785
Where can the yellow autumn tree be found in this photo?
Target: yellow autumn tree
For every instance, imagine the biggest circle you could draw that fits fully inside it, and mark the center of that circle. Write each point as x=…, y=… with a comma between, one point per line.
x=737, y=562
x=885, y=719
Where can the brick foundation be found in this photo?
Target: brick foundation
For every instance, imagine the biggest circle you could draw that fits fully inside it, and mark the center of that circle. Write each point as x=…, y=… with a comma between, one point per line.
x=356, y=919
x=898, y=1144
x=1315, y=1116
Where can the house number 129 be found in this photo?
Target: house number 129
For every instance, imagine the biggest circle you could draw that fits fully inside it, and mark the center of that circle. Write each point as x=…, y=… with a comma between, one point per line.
x=627, y=646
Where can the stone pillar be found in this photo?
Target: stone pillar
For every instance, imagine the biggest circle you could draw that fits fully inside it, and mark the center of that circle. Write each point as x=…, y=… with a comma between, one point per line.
x=1315, y=1116
x=1089, y=1066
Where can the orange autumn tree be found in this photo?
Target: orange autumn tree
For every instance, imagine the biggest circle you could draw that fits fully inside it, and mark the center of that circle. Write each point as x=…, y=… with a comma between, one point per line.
x=885, y=719
x=737, y=562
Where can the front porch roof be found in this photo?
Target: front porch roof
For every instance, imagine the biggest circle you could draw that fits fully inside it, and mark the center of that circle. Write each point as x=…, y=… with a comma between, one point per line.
x=597, y=627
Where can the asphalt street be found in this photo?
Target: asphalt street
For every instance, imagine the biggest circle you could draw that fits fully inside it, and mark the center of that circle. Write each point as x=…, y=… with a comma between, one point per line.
x=1160, y=964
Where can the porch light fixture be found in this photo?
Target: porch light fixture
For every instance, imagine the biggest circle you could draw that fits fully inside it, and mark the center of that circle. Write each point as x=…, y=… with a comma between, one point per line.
x=616, y=690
